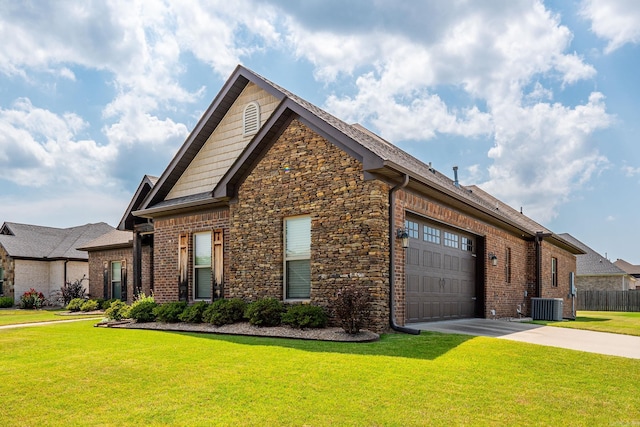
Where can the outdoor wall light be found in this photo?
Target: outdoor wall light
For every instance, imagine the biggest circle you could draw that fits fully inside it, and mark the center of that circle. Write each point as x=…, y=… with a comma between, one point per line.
x=404, y=235
x=493, y=258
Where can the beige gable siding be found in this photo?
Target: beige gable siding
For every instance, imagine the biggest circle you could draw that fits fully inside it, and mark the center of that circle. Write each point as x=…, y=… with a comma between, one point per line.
x=223, y=146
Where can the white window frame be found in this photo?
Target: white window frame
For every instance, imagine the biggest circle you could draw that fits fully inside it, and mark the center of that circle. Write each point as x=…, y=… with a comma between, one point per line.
x=251, y=119
x=197, y=266
x=301, y=253
x=113, y=281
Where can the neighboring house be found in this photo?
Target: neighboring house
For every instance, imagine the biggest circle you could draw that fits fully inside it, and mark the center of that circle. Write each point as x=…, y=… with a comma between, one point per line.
x=43, y=258
x=272, y=196
x=633, y=270
x=595, y=272
x=120, y=262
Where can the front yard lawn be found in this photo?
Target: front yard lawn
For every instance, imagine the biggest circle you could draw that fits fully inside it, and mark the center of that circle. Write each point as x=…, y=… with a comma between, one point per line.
x=10, y=316
x=75, y=374
x=602, y=321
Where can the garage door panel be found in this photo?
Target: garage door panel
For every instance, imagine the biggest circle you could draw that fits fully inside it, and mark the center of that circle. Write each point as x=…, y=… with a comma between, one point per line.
x=413, y=283
x=440, y=279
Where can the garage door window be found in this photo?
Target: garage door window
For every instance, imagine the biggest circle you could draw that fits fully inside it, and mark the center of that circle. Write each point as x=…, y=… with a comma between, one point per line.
x=412, y=228
x=467, y=244
x=451, y=240
x=431, y=235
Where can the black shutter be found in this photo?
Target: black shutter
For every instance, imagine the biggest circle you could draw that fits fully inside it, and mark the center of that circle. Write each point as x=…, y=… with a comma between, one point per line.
x=105, y=280
x=124, y=281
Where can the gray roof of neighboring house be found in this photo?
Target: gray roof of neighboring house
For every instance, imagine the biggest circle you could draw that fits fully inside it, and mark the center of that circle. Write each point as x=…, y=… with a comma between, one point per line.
x=379, y=157
x=112, y=239
x=38, y=242
x=592, y=263
x=628, y=267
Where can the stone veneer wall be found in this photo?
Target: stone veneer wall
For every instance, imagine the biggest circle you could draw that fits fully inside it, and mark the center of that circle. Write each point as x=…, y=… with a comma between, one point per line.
x=9, y=276
x=304, y=174
x=165, y=249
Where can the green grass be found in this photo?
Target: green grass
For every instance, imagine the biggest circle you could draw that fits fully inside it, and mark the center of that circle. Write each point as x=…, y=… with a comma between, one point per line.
x=602, y=321
x=75, y=374
x=11, y=316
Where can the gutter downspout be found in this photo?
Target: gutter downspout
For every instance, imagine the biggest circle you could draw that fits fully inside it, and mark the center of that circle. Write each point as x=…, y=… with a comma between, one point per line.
x=392, y=251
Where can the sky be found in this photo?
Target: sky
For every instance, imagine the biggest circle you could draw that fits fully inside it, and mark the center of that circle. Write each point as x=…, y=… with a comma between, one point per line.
x=537, y=102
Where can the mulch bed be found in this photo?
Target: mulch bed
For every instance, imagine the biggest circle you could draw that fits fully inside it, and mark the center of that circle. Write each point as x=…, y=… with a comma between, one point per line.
x=244, y=328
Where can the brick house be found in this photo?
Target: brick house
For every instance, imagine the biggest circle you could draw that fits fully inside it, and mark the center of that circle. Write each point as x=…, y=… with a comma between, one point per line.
x=272, y=196
x=595, y=272
x=121, y=261
x=43, y=258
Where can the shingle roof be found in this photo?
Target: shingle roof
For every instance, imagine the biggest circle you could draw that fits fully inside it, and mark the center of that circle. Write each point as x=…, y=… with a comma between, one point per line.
x=592, y=263
x=38, y=242
x=378, y=155
x=628, y=267
x=112, y=239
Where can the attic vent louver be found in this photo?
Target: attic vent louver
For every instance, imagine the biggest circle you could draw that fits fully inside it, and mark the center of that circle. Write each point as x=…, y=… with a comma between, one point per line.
x=251, y=119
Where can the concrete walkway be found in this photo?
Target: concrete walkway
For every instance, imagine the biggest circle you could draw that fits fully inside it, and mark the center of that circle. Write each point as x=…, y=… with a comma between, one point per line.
x=574, y=339
x=51, y=322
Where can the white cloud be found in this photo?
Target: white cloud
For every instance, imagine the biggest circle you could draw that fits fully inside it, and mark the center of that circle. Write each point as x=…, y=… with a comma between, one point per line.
x=39, y=147
x=542, y=153
x=494, y=59
x=617, y=21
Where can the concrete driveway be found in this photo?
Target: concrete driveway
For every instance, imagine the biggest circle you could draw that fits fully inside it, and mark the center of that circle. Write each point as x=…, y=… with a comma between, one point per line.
x=574, y=339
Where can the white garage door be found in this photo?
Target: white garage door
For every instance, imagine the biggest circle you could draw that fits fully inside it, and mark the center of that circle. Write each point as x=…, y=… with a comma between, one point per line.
x=440, y=272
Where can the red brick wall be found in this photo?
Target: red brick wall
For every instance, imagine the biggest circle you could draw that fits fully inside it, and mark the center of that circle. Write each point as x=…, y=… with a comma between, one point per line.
x=303, y=174
x=500, y=295
x=167, y=233
x=96, y=270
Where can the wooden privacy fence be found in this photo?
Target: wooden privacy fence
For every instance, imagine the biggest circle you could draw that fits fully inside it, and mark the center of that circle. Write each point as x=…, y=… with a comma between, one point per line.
x=608, y=300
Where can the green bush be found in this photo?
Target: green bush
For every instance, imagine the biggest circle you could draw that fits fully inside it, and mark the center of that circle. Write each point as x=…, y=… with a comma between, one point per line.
x=169, y=312
x=225, y=311
x=31, y=299
x=305, y=316
x=117, y=310
x=105, y=303
x=142, y=311
x=75, y=304
x=90, y=305
x=265, y=312
x=193, y=313
x=6, y=302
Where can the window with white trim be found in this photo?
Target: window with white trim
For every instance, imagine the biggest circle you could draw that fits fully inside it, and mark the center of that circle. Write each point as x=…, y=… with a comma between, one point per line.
x=202, y=266
x=251, y=118
x=297, y=257
x=116, y=280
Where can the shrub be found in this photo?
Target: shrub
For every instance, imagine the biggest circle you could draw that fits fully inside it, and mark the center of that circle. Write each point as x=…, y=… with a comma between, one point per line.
x=265, y=312
x=6, y=302
x=31, y=299
x=305, y=316
x=193, y=313
x=142, y=311
x=225, y=311
x=105, y=303
x=170, y=311
x=75, y=304
x=117, y=310
x=89, y=305
x=352, y=307
x=70, y=291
